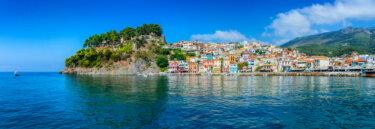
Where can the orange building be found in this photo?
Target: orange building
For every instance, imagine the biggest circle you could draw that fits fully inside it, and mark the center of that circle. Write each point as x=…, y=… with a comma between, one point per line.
x=193, y=67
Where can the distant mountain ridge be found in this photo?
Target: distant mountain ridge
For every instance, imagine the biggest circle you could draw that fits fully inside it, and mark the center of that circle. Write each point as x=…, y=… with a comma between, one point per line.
x=336, y=43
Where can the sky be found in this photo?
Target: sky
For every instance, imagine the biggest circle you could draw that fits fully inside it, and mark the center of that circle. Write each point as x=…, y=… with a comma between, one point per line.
x=37, y=35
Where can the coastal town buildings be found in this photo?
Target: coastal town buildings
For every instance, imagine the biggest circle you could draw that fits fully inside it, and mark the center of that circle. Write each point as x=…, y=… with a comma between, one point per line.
x=248, y=57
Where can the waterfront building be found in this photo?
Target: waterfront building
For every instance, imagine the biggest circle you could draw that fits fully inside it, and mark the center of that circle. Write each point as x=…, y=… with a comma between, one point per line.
x=217, y=66
x=208, y=64
x=252, y=64
x=370, y=60
x=246, y=69
x=173, y=66
x=360, y=63
x=320, y=62
x=269, y=68
x=348, y=63
x=285, y=64
x=225, y=68
x=233, y=68
x=201, y=68
x=193, y=67
x=183, y=67
x=311, y=64
x=301, y=64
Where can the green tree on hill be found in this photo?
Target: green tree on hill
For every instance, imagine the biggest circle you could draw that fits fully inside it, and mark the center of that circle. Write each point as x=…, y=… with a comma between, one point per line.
x=162, y=61
x=147, y=29
x=191, y=54
x=93, y=56
x=127, y=33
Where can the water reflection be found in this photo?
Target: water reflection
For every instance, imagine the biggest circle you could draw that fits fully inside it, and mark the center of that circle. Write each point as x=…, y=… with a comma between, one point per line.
x=221, y=101
x=114, y=101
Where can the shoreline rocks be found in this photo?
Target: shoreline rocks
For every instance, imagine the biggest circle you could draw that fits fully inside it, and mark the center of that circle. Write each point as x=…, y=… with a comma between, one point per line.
x=138, y=67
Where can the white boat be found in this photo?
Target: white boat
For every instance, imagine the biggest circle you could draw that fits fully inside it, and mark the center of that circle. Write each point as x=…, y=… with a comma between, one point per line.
x=16, y=74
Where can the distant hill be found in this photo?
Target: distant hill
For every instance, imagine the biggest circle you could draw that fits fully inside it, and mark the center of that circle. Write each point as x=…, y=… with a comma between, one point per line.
x=336, y=43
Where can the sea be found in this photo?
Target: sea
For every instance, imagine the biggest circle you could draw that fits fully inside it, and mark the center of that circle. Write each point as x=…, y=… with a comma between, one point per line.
x=51, y=100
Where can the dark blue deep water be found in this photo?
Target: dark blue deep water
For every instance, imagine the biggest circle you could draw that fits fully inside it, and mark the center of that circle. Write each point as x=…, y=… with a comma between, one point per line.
x=50, y=100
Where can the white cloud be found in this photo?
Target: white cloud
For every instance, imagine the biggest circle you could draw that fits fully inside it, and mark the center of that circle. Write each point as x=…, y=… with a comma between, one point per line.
x=291, y=23
x=300, y=22
x=221, y=36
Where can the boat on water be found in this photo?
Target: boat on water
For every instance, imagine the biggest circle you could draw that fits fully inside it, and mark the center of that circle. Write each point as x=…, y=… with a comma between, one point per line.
x=368, y=74
x=16, y=74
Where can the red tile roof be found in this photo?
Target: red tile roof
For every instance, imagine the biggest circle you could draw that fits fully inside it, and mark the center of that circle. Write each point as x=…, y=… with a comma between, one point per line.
x=348, y=60
x=360, y=60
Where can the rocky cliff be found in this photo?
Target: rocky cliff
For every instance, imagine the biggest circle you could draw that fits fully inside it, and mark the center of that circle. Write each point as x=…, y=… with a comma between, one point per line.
x=132, y=51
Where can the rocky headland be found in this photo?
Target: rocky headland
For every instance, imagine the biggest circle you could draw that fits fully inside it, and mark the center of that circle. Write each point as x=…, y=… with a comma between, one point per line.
x=131, y=51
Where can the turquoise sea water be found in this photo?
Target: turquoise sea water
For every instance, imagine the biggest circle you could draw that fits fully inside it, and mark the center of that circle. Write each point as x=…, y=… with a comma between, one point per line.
x=50, y=100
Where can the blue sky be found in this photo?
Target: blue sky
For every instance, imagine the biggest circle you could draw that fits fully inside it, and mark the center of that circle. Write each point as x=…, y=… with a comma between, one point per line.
x=38, y=35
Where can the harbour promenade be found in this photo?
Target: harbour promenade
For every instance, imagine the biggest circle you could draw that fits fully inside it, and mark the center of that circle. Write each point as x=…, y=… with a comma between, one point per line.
x=343, y=74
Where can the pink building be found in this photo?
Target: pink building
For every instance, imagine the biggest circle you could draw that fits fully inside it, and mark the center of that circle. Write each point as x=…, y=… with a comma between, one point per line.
x=173, y=66
x=208, y=63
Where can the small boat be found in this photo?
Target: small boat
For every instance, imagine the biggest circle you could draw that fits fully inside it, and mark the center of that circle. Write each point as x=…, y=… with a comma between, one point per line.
x=368, y=74
x=16, y=74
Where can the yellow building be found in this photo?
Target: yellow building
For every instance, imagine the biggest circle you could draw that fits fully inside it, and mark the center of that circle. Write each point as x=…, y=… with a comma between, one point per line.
x=217, y=66
x=232, y=58
x=188, y=58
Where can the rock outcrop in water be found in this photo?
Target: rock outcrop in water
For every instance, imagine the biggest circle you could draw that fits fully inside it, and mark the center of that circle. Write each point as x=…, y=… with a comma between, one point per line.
x=132, y=51
x=138, y=67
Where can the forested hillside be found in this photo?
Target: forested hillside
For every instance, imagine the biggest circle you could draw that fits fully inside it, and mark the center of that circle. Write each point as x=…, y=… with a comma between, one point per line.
x=336, y=43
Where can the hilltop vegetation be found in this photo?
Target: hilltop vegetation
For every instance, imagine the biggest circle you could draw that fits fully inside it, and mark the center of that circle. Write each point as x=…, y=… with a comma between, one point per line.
x=112, y=37
x=143, y=43
x=336, y=43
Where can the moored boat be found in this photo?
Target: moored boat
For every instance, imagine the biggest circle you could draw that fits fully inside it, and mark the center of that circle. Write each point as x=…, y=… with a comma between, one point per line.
x=16, y=74
x=368, y=74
